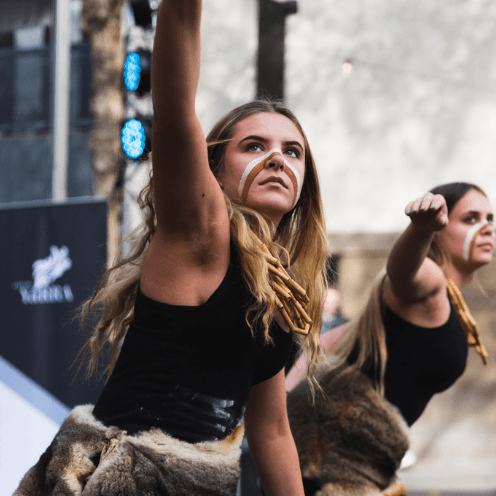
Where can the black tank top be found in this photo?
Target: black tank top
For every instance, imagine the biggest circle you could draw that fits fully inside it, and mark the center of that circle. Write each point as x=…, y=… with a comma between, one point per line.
x=421, y=361
x=188, y=370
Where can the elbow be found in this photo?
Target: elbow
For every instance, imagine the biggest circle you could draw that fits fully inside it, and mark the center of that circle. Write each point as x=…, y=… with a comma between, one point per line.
x=272, y=432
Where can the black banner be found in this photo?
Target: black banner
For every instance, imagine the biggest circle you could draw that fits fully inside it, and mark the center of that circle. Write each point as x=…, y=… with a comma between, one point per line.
x=52, y=256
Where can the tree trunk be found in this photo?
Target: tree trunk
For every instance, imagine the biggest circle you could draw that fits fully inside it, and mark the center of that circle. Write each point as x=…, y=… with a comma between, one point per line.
x=101, y=23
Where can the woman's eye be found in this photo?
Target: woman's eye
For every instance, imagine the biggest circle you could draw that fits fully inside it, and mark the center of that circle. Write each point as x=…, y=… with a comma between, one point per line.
x=253, y=147
x=292, y=152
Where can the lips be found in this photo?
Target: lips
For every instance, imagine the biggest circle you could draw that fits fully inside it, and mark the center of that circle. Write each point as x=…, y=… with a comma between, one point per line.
x=486, y=246
x=274, y=179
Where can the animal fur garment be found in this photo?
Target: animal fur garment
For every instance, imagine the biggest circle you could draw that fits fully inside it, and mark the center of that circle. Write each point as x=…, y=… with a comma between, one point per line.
x=87, y=458
x=351, y=441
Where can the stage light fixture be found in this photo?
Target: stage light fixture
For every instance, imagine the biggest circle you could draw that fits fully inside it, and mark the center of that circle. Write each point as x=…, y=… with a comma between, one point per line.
x=136, y=137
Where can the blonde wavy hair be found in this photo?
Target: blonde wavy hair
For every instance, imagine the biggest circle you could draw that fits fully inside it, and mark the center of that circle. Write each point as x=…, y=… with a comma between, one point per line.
x=300, y=241
x=363, y=345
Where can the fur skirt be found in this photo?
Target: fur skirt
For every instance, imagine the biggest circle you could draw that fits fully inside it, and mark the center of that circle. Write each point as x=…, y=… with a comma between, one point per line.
x=351, y=440
x=88, y=458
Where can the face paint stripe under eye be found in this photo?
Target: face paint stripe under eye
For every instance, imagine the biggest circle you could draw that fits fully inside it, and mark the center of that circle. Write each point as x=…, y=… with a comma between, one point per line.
x=472, y=234
x=249, y=180
x=251, y=166
x=293, y=175
x=254, y=168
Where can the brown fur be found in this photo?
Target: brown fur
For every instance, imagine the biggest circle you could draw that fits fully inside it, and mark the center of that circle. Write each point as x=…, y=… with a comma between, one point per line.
x=351, y=441
x=86, y=458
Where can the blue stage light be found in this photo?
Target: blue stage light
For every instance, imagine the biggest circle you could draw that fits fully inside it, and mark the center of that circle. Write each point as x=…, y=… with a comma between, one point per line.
x=137, y=72
x=132, y=71
x=133, y=138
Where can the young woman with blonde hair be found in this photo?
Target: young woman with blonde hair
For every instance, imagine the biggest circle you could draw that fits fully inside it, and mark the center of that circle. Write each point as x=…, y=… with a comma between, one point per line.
x=199, y=320
x=409, y=343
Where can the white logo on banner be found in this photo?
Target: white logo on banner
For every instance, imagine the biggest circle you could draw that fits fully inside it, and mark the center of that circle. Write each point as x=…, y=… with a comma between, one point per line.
x=45, y=272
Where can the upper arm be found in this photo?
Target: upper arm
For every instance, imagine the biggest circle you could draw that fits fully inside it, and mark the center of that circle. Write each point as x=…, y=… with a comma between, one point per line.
x=423, y=302
x=426, y=282
x=266, y=414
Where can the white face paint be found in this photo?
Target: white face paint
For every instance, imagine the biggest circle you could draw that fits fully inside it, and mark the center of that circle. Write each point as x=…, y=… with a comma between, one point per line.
x=472, y=234
x=256, y=166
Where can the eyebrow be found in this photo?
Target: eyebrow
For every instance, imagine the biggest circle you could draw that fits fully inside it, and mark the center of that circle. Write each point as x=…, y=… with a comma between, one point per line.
x=478, y=212
x=265, y=140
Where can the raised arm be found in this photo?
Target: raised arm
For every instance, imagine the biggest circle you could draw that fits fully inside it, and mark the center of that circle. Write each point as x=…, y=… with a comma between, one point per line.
x=412, y=276
x=190, y=247
x=186, y=193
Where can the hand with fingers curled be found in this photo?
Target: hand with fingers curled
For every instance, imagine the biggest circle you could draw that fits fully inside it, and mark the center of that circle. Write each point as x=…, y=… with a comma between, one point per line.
x=429, y=212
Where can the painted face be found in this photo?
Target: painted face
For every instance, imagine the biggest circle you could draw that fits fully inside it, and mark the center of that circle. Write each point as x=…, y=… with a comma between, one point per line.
x=469, y=235
x=259, y=164
x=264, y=164
x=471, y=238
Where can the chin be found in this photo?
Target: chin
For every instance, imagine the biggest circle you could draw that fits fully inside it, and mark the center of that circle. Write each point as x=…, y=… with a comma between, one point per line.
x=271, y=208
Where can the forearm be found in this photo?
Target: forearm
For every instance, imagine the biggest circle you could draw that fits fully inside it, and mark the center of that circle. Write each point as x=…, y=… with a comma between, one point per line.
x=278, y=465
x=183, y=181
x=270, y=439
x=176, y=56
x=412, y=276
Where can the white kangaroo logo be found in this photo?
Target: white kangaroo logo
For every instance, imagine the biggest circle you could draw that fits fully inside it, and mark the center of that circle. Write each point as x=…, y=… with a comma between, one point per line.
x=46, y=270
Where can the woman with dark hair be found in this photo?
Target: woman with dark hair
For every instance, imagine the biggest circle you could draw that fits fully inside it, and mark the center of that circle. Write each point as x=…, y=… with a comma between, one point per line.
x=200, y=318
x=409, y=343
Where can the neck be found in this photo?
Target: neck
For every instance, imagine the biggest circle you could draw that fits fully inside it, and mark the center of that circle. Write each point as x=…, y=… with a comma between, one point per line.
x=273, y=225
x=273, y=222
x=270, y=224
x=460, y=278
x=273, y=228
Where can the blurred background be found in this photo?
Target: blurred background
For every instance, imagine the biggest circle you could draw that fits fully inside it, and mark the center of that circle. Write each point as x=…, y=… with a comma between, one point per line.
x=395, y=97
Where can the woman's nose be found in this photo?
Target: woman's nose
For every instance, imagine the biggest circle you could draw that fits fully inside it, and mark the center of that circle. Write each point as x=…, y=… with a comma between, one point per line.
x=488, y=229
x=275, y=162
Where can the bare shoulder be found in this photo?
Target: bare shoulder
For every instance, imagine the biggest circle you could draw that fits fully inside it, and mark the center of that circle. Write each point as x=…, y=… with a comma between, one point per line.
x=185, y=271
x=430, y=309
x=427, y=281
x=266, y=404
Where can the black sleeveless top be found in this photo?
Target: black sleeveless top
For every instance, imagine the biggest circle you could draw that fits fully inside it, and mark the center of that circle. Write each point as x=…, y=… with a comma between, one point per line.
x=188, y=369
x=421, y=361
